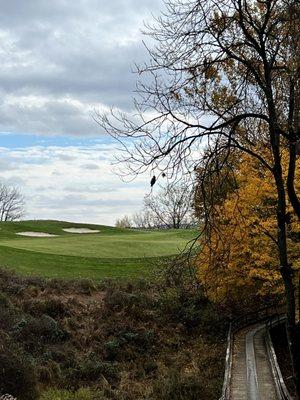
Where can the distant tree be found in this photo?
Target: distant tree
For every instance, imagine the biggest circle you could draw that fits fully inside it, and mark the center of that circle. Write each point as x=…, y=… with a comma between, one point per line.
x=144, y=219
x=11, y=203
x=124, y=222
x=171, y=207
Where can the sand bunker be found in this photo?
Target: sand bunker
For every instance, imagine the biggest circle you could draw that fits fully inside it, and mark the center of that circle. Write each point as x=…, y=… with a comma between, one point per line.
x=80, y=230
x=36, y=234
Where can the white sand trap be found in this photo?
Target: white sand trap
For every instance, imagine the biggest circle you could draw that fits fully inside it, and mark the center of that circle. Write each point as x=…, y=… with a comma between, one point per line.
x=36, y=234
x=80, y=230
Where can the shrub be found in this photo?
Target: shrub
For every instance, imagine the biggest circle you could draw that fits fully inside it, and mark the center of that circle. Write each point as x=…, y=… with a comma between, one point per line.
x=81, y=394
x=150, y=366
x=90, y=370
x=11, y=283
x=8, y=313
x=192, y=310
x=48, y=373
x=54, y=394
x=112, y=348
x=53, y=307
x=85, y=286
x=174, y=386
x=45, y=328
x=213, y=323
x=17, y=373
x=143, y=340
x=84, y=394
x=5, y=302
x=117, y=300
x=182, y=307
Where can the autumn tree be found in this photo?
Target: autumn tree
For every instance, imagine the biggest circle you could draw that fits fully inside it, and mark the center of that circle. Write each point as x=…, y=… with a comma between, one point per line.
x=218, y=69
x=238, y=259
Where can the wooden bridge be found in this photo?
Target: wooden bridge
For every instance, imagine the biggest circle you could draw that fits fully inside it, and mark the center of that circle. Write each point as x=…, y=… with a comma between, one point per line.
x=252, y=371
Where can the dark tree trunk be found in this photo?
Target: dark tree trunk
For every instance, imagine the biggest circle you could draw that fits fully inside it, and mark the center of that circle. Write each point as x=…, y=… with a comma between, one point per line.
x=287, y=276
x=291, y=179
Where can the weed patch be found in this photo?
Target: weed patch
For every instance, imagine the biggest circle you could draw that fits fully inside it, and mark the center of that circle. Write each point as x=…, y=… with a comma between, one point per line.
x=108, y=341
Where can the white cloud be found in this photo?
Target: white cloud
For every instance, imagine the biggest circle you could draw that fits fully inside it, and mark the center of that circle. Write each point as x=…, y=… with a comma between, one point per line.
x=71, y=187
x=90, y=166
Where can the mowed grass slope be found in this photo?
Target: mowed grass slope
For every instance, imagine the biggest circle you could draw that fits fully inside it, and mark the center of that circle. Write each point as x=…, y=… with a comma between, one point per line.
x=112, y=253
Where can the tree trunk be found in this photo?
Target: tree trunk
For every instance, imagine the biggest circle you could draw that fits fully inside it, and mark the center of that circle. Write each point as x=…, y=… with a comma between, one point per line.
x=291, y=178
x=287, y=276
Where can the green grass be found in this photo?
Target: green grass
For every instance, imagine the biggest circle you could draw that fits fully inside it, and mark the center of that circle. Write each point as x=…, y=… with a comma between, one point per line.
x=112, y=253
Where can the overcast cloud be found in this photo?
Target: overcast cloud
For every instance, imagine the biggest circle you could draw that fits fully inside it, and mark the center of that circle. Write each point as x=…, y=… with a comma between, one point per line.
x=60, y=61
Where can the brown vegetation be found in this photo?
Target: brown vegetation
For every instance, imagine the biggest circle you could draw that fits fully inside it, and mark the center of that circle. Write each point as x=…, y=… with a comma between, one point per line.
x=127, y=341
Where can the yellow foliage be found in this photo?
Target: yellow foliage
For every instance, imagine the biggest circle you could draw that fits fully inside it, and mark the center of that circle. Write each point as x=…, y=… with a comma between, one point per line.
x=239, y=257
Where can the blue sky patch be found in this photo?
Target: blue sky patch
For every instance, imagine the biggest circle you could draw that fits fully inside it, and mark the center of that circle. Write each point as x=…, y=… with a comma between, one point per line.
x=13, y=141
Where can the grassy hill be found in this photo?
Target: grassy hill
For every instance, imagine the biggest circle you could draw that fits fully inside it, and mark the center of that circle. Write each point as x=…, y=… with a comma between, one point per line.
x=112, y=253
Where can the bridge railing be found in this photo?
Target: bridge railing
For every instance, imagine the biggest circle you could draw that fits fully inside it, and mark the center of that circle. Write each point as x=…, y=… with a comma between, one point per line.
x=228, y=365
x=263, y=314
x=281, y=389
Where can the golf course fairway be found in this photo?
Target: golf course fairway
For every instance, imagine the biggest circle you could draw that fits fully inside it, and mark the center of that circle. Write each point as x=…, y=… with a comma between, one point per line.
x=109, y=253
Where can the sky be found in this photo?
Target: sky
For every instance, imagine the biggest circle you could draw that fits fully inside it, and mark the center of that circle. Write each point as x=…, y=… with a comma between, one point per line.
x=62, y=61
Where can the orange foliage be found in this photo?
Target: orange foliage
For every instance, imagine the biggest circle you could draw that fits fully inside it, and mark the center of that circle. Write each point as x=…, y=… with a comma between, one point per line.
x=239, y=257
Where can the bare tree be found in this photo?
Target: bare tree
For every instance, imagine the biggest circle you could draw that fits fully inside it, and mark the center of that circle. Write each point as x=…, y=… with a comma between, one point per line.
x=219, y=68
x=124, y=222
x=11, y=203
x=144, y=219
x=171, y=207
